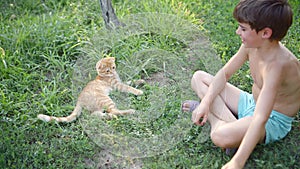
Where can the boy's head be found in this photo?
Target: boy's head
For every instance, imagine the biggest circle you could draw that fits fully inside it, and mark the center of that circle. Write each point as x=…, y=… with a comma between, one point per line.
x=259, y=14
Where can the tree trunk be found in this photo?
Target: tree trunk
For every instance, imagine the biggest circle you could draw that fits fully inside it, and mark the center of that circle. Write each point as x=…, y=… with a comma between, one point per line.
x=109, y=16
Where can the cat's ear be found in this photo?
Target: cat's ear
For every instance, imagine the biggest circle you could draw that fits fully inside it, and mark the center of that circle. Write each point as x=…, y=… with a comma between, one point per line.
x=113, y=59
x=98, y=64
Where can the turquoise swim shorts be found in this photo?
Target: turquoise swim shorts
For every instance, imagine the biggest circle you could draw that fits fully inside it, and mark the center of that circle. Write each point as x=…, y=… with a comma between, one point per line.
x=278, y=124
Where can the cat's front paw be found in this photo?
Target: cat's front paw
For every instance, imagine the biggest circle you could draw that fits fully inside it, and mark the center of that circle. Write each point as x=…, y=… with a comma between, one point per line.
x=138, y=92
x=130, y=111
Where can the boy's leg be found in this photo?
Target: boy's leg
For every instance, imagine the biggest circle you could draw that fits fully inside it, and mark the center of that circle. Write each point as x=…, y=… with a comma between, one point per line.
x=228, y=134
x=224, y=130
x=225, y=104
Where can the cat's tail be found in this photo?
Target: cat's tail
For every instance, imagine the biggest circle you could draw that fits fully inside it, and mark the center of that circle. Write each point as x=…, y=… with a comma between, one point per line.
x=76, y=113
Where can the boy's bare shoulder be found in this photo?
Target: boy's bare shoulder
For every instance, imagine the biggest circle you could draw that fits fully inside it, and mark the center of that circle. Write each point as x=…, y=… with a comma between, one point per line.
x=288, y=59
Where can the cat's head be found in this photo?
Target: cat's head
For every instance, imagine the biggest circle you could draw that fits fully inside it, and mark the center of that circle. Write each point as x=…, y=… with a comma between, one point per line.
x=106, y=67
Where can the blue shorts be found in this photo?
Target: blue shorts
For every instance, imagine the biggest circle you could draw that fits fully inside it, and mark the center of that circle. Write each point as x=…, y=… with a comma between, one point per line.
x=278, y=124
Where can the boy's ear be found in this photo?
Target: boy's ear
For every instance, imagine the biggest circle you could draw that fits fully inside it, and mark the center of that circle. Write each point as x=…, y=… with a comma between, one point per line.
x=267, y=33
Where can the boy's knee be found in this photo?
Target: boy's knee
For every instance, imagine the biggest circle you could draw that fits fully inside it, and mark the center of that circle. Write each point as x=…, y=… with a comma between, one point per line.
x=220, y=139
x=198, y=76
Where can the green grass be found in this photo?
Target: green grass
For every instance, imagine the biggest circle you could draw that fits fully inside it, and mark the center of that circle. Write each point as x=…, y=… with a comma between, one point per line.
x=41, y=43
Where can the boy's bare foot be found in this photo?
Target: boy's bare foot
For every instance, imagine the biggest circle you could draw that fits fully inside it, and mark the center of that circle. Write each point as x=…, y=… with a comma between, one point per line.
x=189, y=105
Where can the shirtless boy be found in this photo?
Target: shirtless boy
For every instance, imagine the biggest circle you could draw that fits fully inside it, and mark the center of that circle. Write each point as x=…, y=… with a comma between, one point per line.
x=265, y=115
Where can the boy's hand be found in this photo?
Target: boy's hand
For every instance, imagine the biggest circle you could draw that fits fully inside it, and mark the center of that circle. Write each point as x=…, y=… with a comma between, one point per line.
x=200, y=112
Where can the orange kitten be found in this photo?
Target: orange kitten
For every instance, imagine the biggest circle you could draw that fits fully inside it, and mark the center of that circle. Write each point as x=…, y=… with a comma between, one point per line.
x=95, y=96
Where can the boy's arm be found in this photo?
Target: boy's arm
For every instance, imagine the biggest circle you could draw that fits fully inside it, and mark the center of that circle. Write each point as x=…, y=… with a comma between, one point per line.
x=218, y=84
x=265, y=102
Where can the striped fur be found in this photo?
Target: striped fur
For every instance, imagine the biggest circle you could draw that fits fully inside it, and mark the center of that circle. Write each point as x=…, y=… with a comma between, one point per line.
x=95, y=96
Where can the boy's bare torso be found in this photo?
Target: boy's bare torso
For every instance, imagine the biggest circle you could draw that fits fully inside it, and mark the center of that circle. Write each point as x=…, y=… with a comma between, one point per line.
x=287, y=99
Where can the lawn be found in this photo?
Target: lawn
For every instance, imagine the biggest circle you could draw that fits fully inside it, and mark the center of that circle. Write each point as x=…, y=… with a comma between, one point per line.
x=48, y=53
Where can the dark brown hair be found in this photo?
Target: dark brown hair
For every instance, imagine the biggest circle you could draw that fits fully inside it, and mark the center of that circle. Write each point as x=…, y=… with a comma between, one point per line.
x=259, y=14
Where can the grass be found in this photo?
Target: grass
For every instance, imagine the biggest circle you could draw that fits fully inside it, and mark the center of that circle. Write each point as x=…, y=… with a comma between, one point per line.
x=41, y=43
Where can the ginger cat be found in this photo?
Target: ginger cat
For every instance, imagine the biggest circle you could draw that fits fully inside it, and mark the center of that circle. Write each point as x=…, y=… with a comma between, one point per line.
x=95, y=96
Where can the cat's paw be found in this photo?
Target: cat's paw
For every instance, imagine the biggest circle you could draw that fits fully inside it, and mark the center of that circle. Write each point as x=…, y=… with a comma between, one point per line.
x=124, y=112
x=110, y=116
x=130, y=111
x=105, y=116
x=138, y=92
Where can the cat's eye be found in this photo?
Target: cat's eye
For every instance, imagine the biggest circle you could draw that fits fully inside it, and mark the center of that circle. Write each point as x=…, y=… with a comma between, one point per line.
x=113, y=67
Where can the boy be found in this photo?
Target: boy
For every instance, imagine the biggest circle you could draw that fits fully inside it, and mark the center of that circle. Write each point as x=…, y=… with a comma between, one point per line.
x=265, y=115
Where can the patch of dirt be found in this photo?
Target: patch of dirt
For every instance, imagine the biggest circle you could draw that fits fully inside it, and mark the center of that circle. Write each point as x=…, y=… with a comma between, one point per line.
x=106, y=160
x=158, y=78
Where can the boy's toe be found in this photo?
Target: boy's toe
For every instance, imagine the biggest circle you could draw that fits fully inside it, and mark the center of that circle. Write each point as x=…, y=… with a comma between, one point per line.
x=189, y=105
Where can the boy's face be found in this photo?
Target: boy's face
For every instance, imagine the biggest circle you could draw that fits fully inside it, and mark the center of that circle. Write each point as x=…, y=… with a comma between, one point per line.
x=250, y=38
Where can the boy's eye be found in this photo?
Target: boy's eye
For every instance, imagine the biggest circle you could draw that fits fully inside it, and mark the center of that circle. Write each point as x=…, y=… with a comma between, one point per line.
x=242, y=28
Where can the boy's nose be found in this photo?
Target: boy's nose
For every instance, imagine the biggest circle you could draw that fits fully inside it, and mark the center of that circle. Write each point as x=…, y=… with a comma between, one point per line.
x=238, y=31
